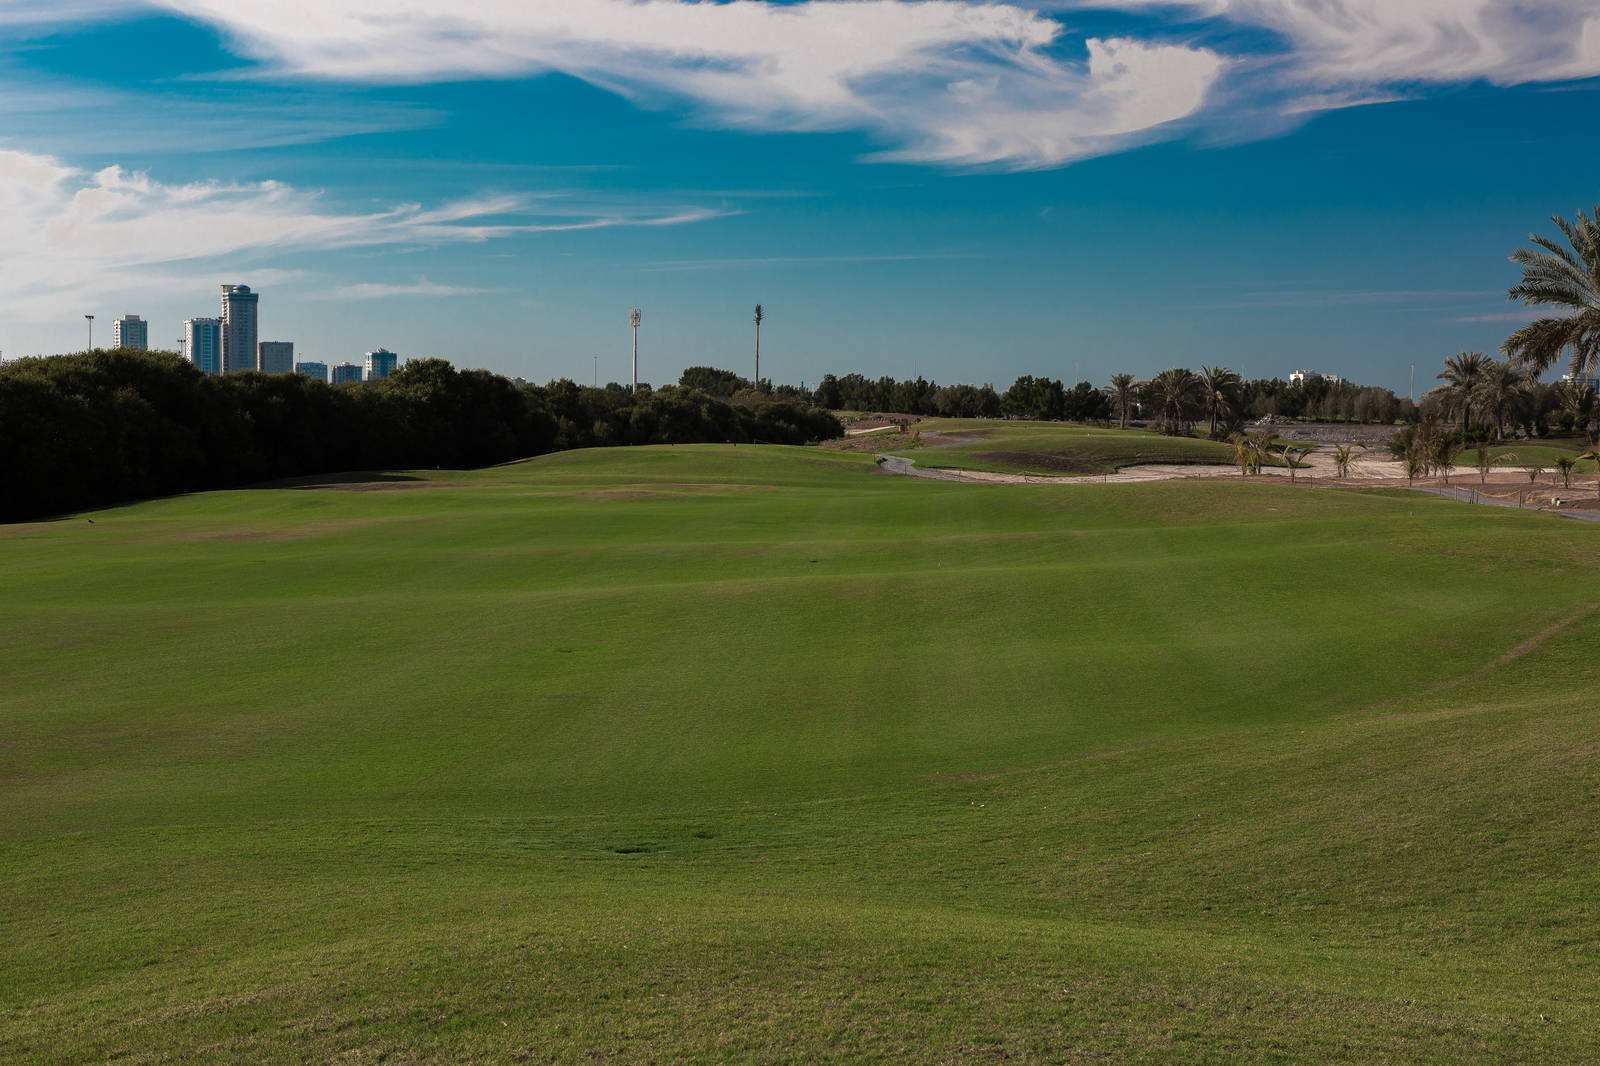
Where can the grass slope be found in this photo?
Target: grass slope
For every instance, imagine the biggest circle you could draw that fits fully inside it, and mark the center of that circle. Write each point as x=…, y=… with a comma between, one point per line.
x=718, y=754
x=1056, y=448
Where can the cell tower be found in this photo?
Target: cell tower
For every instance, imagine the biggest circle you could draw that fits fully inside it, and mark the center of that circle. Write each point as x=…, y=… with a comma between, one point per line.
x=633, y=320
x=760, y=314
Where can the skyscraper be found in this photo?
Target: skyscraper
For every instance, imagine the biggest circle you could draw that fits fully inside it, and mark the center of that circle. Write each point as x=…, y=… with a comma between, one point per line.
x=314, y=371
x=380, y=364
x=238, y=328
x=346, y=372
x=202, y=343
x=275, y=357
x=130, y=331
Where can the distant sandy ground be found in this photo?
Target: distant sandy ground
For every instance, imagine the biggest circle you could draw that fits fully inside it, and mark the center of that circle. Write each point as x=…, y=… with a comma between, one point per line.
x=1503, y=483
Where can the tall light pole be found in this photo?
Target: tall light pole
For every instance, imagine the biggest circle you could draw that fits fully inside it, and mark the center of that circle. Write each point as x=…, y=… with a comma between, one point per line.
x=90, y=320
x=759, y=316
x=597, y=371
x=633, y=320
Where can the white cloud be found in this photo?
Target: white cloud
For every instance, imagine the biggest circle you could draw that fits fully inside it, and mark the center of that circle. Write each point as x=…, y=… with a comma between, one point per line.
x=956, y=82
x=942, y=81
x=1338, y=51
x=69, y=233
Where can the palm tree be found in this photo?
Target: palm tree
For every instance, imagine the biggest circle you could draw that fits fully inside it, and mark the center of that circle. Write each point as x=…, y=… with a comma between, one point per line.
x=1593, y=455
x=1564, y=465
x=1577, y=400
x=1177, y=396
x=1294, y=459
x=1462, y=374
x=1502, y=387
x=1344, y=455
x=1415, y=467
x=1243, y=452
x=1567, y=278
x=1123, y=394
x=1221, y=389
x=1442, y=452
x=1483, y=459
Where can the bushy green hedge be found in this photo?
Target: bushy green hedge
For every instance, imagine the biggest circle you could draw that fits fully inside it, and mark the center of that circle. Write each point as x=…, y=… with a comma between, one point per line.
x=79, y=431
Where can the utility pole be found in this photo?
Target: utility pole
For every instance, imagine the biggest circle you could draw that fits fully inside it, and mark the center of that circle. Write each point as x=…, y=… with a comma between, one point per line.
x=633, y=320
x=597, y=371
x=759, y=316
x=90, y=320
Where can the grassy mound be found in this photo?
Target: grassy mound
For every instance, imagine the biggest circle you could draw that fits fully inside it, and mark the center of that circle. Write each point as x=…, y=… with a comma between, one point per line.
x=712, y=754
x=1055, y=448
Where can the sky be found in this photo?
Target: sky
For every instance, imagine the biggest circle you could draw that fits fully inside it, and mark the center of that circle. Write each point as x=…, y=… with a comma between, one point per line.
x=969, y=191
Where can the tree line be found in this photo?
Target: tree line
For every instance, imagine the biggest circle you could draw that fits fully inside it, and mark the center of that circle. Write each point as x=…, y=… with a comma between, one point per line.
x=85, y=430
x=1176, y=399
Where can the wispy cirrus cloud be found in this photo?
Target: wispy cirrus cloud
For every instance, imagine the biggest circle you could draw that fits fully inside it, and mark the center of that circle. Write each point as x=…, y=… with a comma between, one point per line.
x=1526, y=314
x=738, y=263
x=69, y=232
x=968, y=83
x=377, y=290
x=940, y=81
x=950, y=82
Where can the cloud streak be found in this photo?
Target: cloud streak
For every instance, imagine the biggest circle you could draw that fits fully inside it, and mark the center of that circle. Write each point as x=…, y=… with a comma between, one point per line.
x=70, y=232
x=377, y=290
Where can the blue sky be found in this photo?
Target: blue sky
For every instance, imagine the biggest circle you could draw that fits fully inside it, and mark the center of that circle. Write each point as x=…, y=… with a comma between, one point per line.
x=972, y=191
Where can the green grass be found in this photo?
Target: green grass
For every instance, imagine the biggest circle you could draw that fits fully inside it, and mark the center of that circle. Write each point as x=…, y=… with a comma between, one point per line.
x=1056, y=448
x=1529, y=454
x=713, y=754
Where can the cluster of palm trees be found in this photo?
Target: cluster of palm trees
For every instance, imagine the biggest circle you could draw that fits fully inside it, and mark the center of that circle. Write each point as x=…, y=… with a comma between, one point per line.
x=1177, y=398
x=1564, y=277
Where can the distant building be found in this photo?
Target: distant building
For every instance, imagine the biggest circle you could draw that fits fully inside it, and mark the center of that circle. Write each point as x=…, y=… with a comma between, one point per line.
x=314, y=371
x=346, y=372
x=275, y=357
x=380, y=364
x=239, y=306
x=1300, y=377
x=202, y=344
x=1582, y=379
x=130, y=331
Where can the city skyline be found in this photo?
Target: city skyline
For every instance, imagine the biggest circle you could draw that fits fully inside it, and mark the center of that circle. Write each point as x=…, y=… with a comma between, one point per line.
x=1337, y=193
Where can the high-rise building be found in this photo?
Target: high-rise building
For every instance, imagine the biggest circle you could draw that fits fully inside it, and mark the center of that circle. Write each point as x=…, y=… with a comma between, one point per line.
x=314, y=371
x=202, y=344
x=346, y=372
x=238, y=328
x=275, y=357
x=130, y=331
x=380, y=364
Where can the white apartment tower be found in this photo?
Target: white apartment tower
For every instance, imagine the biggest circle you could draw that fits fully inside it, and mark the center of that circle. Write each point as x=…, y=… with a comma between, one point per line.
x=130, y=331
x=238, y=328
x=380, y=364
x=275, y=357
x=202, y=344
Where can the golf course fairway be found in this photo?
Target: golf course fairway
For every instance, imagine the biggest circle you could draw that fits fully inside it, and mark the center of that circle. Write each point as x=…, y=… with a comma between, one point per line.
x=722, y=754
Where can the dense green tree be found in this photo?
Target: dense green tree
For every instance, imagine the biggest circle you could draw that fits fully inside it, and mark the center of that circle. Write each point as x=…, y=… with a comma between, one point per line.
x=86, y=430
x=712, y=381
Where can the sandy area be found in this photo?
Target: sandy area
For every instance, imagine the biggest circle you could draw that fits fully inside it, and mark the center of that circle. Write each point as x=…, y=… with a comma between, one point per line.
x=1504, y=483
